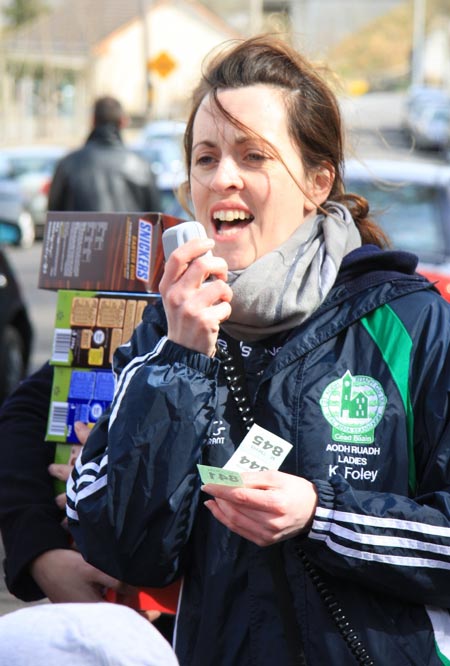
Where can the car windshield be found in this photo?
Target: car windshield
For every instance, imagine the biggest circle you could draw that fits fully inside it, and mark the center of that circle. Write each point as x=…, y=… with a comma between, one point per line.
x=409, y=214
x=32, y=164
x=164, y=155
x=442, y=114
x=4, y=167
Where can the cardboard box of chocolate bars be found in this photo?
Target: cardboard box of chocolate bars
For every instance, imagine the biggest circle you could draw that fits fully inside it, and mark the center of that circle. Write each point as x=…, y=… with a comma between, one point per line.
x=90, y=325
x=103, y=251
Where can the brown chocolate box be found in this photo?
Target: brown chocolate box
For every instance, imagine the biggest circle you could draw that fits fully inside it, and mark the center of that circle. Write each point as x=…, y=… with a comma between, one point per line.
x=104, y=251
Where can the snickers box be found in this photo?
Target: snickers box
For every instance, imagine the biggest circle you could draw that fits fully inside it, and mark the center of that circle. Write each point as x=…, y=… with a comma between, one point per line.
x=89, y=325
x=103, y=251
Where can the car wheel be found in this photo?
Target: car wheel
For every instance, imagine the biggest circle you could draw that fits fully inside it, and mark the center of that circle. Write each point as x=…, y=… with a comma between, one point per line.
x=12, y=363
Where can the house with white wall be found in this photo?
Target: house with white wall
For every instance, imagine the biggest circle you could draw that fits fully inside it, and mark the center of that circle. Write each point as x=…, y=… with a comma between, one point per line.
x=148, y=54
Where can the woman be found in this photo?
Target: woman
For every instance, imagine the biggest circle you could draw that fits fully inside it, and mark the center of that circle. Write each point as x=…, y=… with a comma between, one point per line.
x=341, y=556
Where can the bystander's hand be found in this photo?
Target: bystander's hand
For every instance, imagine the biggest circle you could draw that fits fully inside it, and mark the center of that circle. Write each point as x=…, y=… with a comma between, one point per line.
x=61, y=471
x=64, y=576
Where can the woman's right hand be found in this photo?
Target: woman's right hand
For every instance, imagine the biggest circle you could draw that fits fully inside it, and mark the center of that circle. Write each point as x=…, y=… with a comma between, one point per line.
x=195, y=308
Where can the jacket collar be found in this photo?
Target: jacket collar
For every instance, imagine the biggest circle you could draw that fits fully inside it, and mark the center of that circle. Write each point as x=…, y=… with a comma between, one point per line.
x=106, y=135
x=369, y=258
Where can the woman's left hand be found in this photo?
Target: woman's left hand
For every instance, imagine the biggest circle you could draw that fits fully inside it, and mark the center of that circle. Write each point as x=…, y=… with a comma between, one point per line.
x=270, y=507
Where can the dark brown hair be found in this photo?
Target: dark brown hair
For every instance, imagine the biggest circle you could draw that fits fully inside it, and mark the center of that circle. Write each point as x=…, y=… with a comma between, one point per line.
x=108, y=111
x=314, y=119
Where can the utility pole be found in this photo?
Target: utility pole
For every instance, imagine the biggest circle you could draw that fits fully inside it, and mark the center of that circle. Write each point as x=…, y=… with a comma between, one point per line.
x=148, y=87
x=418, y=42
x=256, y=16
x=301, y=13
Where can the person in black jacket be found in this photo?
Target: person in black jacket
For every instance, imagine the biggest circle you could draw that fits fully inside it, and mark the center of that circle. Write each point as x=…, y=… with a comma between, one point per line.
x=104, y=175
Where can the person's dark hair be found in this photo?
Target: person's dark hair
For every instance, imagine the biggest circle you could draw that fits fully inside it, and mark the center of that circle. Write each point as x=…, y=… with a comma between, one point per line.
x=108, y=111
x=314, y=119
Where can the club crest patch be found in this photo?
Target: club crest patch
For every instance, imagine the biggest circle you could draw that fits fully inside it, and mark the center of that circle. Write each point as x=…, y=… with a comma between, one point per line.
x=353, y=406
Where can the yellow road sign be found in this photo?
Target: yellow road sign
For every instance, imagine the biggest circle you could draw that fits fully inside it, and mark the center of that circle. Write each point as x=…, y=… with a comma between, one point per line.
x=163, y=64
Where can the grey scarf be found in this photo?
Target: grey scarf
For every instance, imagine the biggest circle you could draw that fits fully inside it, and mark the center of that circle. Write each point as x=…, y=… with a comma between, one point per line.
x=284, y=287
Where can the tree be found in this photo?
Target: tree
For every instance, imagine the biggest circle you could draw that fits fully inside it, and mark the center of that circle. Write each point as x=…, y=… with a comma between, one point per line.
x=18, y=12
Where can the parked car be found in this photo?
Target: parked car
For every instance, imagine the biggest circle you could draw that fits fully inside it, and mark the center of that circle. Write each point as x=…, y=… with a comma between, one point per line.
x=163, y=129
x=161, y=144
x=411, y=202
x=431, y=128
x=426, y=118
x=13, y=210
x=32, y=168
x=16, y=333
x=419, y=97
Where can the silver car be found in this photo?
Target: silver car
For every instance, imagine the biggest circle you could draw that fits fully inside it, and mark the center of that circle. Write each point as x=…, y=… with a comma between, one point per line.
x=32, y=168
x=14, y=212
x=411, y=202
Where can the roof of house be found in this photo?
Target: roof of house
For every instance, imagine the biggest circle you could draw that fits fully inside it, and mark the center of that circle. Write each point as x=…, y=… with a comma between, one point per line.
x=75, y=27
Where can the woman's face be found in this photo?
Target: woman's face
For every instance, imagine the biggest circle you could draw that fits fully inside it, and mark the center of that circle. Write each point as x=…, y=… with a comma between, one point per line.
x=243, y=194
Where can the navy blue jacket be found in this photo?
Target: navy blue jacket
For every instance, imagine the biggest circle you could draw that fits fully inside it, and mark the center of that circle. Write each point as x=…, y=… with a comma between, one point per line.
x=361, y=392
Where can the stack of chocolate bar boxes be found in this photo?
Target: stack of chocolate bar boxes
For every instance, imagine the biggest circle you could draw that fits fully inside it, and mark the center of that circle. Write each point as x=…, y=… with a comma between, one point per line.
x=106, y=268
